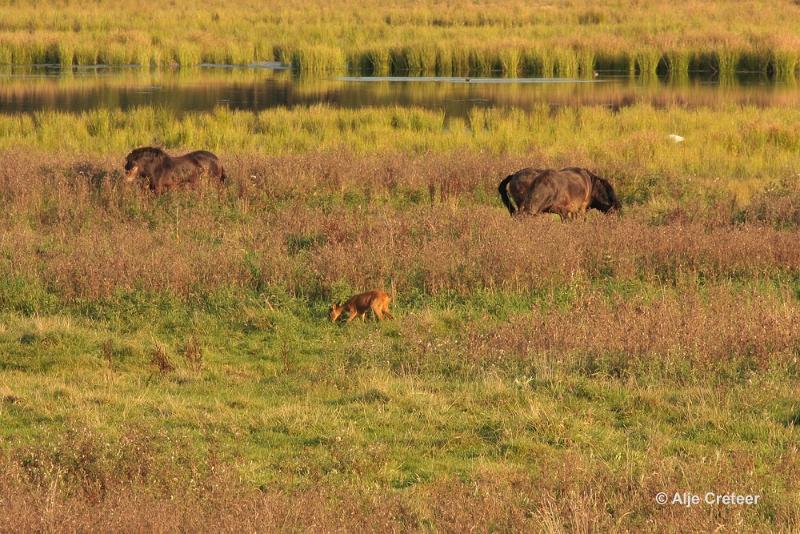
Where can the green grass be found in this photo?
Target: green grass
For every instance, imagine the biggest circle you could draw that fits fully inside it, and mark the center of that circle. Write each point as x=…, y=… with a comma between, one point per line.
x=464, y=38
x=749, y=146
x=295, y=402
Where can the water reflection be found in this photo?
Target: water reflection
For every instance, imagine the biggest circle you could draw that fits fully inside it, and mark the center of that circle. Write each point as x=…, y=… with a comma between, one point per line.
x=202, y=89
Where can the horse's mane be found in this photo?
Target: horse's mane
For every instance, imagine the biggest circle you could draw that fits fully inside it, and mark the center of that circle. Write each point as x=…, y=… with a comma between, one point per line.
x=595, y=178
x=149, y=151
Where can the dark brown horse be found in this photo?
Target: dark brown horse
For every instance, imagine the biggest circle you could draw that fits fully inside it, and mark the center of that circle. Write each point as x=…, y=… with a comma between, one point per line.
x=567, y=192
x=165, y=172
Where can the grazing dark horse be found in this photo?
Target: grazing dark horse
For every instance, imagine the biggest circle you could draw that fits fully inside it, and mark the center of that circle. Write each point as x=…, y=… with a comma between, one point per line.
x=567, y=192
x=518, y=186
x=165, y=172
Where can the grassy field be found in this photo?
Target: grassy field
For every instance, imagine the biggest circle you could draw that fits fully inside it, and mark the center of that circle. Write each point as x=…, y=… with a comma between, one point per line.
x=732, y=152
x=542, y=38
x=166, y=362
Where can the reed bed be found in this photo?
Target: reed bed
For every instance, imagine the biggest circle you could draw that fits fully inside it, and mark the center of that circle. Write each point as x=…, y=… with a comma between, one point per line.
x=463, y=38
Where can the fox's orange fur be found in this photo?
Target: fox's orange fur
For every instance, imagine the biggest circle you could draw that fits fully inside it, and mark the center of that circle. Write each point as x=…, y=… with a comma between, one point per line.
x=359, y=305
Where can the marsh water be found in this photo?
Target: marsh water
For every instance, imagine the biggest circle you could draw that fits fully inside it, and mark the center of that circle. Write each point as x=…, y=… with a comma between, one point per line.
x=30, y=89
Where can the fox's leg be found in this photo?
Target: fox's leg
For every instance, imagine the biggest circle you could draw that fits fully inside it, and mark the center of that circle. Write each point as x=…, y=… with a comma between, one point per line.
x=377, y=311
x=351, y=315
x=387, y=313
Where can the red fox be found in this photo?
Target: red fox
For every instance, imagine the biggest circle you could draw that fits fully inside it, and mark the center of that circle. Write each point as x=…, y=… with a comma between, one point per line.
x=360, y=304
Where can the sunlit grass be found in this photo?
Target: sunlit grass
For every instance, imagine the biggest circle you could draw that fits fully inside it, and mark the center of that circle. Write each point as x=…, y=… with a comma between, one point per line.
x=466, y=38
x=493, y=390
x=726, y=145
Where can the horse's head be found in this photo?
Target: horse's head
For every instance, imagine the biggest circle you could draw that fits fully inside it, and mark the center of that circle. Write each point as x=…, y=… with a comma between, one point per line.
x=603, y=196
x=141, y=161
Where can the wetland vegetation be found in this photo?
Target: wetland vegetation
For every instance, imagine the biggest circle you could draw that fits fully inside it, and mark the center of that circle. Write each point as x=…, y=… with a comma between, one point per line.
x=166, y=362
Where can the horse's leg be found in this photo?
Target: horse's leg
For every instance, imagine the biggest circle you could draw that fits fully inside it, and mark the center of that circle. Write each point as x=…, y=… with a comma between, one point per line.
x=218, y=172
x=526, y=208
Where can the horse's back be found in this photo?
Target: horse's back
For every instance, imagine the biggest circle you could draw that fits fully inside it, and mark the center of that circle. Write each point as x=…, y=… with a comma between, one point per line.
x=204, y=161
x=559, y=190
x=200, y=156
x=544, y=189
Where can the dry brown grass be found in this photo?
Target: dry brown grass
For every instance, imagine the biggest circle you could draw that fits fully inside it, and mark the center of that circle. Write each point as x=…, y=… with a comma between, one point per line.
x=712, y=330
x=80, y=486
x=193, y=354
x=160, y=359
x=374, y=222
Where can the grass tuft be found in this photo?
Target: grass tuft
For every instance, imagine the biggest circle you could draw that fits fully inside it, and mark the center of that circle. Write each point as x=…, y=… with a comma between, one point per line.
x=160, y=359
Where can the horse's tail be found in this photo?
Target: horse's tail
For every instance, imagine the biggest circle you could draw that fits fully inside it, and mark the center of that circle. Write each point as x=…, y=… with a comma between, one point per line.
x=503, y=190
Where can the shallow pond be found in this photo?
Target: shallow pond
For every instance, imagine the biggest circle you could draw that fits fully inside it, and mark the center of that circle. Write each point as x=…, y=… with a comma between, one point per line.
x=28, y=89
